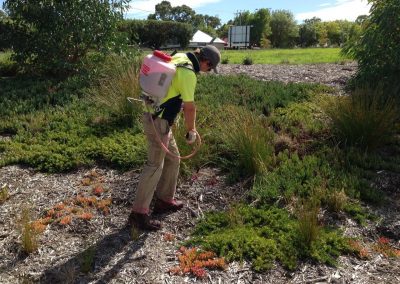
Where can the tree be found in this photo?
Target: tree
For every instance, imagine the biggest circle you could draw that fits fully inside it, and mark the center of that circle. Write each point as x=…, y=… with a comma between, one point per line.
x=243, y=18
x=261, y=28
x=3, y=15
x=322, y=33
x=223, y=30
x=184, y=14
x=377, y=49
x=259, y=20
x=308, y=35
x=163, y=11
x=206, y=23
x=333, y=30
x=154, y=33
x=360, y=19
x=55, y=35
x=284, y=29
x=5, y=31
x=212, y=21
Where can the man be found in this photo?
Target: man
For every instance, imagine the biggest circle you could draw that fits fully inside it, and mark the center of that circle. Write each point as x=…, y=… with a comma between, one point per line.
x=160, y=174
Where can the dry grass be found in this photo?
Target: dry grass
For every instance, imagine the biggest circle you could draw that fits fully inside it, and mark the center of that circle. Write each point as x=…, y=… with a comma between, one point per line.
x=336, y=200
x=29, y=235
x=365, y=119
x=307, y=214
x=4, y=194
x=249, y=137
x=113, y=91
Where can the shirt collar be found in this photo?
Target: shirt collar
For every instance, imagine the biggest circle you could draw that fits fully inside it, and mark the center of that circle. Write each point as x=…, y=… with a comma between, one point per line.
x=195, y=61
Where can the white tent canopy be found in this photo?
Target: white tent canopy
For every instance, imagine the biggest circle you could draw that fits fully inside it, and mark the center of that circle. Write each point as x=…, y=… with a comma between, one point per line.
x=201, y=39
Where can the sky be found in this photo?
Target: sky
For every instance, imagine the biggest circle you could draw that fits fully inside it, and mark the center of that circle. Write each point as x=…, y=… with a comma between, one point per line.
x=326, y=10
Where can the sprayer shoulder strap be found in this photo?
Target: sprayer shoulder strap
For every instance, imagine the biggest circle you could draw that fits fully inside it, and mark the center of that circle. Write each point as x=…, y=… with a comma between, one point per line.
x=185, y=65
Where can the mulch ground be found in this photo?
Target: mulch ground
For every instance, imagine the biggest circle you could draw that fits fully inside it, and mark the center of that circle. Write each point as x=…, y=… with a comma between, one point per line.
x=89, y=209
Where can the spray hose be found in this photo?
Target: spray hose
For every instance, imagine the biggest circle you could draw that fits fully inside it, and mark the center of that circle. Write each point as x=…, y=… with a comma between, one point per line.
x=163, y=145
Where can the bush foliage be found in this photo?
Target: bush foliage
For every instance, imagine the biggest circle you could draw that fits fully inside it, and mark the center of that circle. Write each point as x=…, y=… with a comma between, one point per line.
x=155, y=34
x=55, y=36
x=377, y=50
x=263, y=236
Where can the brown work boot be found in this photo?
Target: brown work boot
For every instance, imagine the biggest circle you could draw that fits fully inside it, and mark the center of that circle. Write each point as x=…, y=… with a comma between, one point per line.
x=143, y=222
x=165, y=207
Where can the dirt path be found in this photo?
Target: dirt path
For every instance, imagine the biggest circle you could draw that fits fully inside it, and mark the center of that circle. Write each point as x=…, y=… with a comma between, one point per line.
x=335, y=75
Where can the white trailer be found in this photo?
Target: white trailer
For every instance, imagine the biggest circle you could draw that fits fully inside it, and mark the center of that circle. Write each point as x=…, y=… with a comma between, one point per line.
x=239, y=37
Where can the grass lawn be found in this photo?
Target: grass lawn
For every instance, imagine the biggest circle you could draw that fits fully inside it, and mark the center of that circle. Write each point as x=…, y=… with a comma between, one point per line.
x=285, y=56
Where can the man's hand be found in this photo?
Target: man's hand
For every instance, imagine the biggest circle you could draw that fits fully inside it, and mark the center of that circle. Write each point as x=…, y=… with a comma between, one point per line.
x=191, y=137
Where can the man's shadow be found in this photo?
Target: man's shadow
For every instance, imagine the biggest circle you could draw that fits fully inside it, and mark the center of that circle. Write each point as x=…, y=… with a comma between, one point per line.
x=97, y=256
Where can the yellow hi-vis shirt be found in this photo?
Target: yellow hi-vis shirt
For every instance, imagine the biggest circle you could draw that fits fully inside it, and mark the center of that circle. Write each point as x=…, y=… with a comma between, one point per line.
x=184, y=81
x=182, y=89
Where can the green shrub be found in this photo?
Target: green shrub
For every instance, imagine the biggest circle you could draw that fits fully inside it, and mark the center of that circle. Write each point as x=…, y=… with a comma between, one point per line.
x=365, y=119
x=57, y=131
x=376, y=50
x=154, y=34
x=247, y=61
x=225, y=60
x=42, y=39
x=66, y=145
x=263, y=236
x=358, y=212
x=300, y=118
x=293, y=176
x=29, y=95
x=254, y=95
x=8, y=67
x=330, y=245
x=298, y=177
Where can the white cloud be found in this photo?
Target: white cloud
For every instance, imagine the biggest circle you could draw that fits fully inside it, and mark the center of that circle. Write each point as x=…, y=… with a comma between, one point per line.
x=341, y=10
x=324, y=4
x=148, y=6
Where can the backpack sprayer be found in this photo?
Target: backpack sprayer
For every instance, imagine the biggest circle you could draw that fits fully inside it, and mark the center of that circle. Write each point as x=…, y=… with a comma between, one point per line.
x=156, y=74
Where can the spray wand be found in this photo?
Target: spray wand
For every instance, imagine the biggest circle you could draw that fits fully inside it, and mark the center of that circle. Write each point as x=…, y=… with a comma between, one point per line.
x=163, y=145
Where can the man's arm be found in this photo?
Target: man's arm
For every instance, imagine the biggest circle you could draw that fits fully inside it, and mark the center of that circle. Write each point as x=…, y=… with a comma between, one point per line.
x=189, y=113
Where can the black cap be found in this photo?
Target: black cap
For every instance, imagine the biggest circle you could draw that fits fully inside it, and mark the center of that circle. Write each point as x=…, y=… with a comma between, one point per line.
x=212, y=54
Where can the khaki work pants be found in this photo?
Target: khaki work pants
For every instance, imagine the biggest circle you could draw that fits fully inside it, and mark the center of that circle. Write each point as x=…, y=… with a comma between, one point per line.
x=160, y=173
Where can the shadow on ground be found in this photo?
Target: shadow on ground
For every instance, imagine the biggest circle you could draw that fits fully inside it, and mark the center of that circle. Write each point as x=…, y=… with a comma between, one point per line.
x=96, y=258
